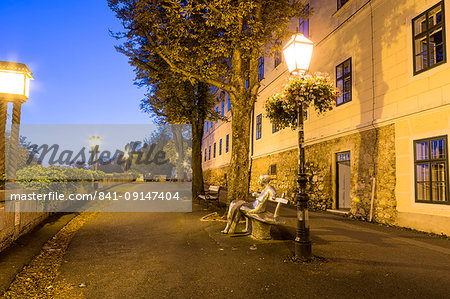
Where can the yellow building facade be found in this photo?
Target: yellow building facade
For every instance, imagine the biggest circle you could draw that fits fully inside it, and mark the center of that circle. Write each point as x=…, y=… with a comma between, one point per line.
x=385, y=145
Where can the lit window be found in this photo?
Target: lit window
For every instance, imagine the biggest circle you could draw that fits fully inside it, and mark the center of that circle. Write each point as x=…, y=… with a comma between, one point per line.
x=258, y=126
x=429, y=39
x=344, y=81
x=431, y=170
x=341, y=3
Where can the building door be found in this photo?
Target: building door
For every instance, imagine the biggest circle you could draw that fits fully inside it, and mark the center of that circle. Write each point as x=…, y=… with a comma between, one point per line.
x=343, y=180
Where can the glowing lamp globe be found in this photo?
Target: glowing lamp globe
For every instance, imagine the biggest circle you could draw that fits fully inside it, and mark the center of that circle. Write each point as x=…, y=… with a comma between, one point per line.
x=94, y=141
x=14, y=81
x=297, y=53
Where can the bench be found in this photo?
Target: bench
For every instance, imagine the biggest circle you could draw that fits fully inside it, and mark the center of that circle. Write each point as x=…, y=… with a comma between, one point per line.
x=261, y=222
x=212, y=194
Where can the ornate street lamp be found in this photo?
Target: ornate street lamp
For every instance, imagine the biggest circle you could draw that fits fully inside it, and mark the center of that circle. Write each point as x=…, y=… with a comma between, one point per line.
x=297, y=53
x=94, y=142
x=14, y=87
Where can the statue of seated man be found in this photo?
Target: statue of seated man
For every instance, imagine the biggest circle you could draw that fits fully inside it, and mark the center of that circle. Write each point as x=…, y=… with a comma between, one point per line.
x=239, y=208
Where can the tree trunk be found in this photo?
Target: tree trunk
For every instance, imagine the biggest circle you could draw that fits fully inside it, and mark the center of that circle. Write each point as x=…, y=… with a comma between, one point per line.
x=177, y=132
x=197, y=172
x=238, y=181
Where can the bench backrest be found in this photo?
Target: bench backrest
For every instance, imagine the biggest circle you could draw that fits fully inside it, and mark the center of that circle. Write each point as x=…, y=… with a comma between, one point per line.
x=214, y=188
x=279, y=200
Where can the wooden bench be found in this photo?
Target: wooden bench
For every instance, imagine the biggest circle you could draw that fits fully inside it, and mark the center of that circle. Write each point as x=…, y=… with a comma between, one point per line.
x=261, y=222
x=211, y=194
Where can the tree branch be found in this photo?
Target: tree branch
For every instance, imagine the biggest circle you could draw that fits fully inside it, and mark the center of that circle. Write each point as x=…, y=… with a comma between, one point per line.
x=185, y=72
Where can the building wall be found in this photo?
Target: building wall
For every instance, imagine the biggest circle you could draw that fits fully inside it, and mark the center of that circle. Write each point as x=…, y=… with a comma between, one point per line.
x=390, y=108
x=425, y=216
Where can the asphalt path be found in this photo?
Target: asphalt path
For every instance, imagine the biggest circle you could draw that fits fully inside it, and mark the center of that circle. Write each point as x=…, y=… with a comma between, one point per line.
x=148, y=255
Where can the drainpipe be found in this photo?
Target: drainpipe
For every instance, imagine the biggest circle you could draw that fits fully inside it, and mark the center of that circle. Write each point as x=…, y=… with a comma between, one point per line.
x=251, y=148
x=372, y=198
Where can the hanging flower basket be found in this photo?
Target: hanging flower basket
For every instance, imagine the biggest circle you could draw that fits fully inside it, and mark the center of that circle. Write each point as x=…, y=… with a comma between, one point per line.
x=317, y=90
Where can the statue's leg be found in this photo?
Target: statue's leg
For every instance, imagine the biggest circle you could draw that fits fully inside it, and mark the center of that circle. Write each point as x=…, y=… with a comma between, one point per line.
x=248, y=225
x=234, y=223
x=227, y=228
x=230, y=218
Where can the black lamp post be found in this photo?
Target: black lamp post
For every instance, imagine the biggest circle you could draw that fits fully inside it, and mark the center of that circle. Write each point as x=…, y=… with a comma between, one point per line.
x=298, y=52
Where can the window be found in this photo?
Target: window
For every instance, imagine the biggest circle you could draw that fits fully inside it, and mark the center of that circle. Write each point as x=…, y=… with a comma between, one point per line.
x=277, y=56
x=277, y=59
x=223, y=109
x=207, y=126
x=344, y=81
x=429, y=39
x=214, y=150
x=206, y=153
x=220, y=147
x=217, y=112
x=209, y=153
x=260, y=68
x=258, y=126
x=303, y=26
x=229, y=103
x=210, y=124
x=275, y=127
x=431, y=170
x=273, y=169
x=341, y=3
x=227, y=143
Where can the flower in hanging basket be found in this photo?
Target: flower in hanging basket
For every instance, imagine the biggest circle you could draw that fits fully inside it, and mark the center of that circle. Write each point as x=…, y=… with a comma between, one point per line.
x=317, y=90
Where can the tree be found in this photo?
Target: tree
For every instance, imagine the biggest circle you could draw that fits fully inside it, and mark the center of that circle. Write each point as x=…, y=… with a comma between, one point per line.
x=218, y=42
x=174, y=99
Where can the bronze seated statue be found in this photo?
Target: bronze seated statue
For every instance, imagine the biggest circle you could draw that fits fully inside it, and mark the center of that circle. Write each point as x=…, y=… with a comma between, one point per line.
x=241, y=208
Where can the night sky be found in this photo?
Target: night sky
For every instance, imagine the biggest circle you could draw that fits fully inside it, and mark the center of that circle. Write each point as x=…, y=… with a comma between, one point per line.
x=79, y=77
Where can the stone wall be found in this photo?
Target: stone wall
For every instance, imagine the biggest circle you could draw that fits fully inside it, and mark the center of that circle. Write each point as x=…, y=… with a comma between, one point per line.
x=15, y=224
x=216, y=176
x=285, y=179
x=372, y=155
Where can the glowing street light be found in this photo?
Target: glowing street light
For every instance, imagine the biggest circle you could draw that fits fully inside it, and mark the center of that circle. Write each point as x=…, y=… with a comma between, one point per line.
x=14, y=81
x=95, y=142
x=14, y=87
x=297, y=53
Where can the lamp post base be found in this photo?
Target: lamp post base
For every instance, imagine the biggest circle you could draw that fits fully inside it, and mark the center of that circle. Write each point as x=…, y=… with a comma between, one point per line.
x=303, y=250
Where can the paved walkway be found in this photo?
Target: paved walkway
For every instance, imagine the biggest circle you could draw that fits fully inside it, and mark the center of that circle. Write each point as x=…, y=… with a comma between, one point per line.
x=148, y=255
x=175, y=255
